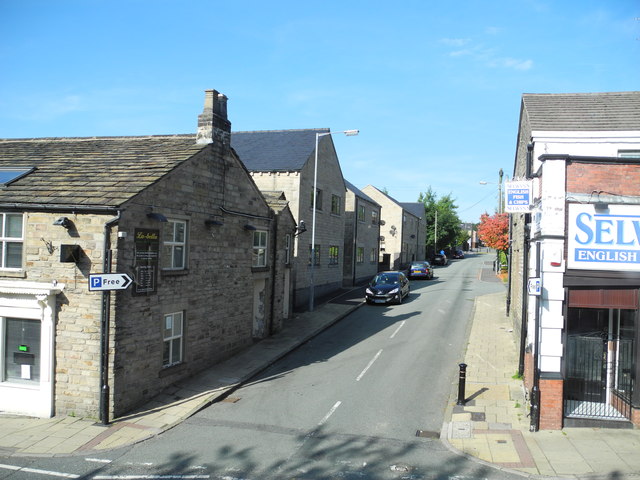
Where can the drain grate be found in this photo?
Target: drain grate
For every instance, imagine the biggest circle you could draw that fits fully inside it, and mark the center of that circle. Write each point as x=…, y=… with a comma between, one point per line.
x=427, y=434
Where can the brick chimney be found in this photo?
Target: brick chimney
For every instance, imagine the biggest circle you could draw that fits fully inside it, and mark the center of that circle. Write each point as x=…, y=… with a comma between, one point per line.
x=213, y=125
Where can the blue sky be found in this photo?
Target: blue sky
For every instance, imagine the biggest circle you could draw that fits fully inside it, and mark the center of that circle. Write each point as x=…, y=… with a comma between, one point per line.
x=433, y=87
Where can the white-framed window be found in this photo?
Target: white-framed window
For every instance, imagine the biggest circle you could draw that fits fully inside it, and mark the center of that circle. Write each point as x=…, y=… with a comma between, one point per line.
x=336, y=205
x=21, y=350
x=174, y=245
x=361, y=213
x=259, y=249
x=287, y=249
x=11, y=240
x=172, y=332
x=334, y=254
x=360, y=255
x=628, y=153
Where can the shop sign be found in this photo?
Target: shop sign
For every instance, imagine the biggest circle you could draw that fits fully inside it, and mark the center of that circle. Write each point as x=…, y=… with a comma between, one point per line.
x=607, y=239
x=517, y=196
x=147, y=248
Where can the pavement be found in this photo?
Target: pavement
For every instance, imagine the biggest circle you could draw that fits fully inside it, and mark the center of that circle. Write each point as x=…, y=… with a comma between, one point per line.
x=492, y=427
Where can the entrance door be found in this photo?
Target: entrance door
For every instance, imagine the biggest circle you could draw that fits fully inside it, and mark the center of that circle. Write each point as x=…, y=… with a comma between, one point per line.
x=598, y=363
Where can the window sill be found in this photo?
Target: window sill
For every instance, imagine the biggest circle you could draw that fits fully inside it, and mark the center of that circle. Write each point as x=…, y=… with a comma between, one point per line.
x=173, y=273
x=259, y=269
x=13, y=273
x=172, y=369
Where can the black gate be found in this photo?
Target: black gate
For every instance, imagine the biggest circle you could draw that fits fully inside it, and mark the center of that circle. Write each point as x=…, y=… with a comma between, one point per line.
x=594, y=363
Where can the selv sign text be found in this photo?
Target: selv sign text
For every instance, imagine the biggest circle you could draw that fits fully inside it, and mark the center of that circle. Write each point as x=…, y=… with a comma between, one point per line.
x=606, y=239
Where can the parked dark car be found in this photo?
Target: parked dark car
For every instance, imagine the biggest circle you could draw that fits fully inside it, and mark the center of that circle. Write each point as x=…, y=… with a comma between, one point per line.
x=457, y=254
x=440, y=259
x=387, y=287
x=420, y=270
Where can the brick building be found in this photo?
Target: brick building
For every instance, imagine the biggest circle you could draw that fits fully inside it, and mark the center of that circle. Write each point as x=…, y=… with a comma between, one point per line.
x=580, y=246
x=181, y=216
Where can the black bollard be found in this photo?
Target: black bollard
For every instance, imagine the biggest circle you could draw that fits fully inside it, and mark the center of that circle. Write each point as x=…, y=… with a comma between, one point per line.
x=461, y=383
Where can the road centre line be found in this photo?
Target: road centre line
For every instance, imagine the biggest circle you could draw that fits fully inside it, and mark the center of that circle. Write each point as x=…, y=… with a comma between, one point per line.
x=39, y=472
x=368, y=366
x=398, y=329
x=333, y=409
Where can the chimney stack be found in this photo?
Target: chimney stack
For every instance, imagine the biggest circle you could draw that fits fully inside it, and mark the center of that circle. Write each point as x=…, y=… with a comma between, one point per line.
x=213, y=125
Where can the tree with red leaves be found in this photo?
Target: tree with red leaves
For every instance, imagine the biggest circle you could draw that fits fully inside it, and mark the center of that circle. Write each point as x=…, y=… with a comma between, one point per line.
x=494, y=231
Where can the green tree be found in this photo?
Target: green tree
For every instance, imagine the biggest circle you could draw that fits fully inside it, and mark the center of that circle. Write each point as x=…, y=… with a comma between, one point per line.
x=445, y=232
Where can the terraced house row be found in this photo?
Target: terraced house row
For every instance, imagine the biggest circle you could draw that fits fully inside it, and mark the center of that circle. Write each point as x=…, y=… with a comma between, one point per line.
x=214, y=231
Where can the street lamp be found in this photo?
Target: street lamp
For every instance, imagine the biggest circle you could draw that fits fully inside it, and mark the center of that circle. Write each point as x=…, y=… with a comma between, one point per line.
x=348, y=133
x=500, y=184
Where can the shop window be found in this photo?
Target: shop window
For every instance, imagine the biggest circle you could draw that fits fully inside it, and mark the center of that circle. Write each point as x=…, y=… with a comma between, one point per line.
x=21, y=345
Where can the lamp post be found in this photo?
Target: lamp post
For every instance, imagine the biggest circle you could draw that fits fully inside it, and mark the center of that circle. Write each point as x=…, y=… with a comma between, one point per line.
x=500, y=185
x=348, y=133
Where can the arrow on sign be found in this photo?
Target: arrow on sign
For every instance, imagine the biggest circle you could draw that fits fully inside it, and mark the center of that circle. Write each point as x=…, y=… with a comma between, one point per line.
x=109, y=281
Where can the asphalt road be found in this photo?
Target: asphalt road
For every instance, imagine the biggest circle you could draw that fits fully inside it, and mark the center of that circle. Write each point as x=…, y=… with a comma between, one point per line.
x=365, y=399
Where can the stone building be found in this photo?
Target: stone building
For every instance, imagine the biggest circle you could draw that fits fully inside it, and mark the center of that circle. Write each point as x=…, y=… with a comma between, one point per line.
x=403, y=233
x=284, y=161
x=361, y=238
x=575, y=258
x=181, y=216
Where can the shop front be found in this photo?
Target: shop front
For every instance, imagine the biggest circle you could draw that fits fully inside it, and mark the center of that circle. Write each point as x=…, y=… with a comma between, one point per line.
x=602, y=288
x=27, y=346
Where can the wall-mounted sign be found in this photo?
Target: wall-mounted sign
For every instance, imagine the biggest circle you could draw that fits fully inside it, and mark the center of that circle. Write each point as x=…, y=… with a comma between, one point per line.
x=517, y=196
x=606, y=239
x=534, y=286
x=147, y=248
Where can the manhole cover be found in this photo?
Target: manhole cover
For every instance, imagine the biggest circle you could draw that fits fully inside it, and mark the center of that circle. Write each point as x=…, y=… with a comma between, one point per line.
x=427, y=434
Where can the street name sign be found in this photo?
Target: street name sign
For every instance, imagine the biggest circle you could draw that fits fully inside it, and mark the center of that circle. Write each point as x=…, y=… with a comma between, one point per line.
x=108, y=281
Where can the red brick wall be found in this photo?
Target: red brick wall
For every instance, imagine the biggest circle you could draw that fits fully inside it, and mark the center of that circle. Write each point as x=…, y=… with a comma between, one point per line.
x=550, y=404
x=609, y=178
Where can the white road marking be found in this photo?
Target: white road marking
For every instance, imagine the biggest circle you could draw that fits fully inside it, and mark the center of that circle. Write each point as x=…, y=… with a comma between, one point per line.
x=97, y=460
x=398, y=329
x=150, y=477
x=368, y=366
x=39, y=472
x=333, y=409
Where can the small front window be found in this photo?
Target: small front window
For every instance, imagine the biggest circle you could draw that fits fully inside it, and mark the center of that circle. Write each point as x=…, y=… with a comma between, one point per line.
x=259, y=249
x=174, y=245
x=360, y=255
x=336, y=204
x=361, y=213
x=334, y=253
x=317, y=255
x=11, y=238
x=172, y=332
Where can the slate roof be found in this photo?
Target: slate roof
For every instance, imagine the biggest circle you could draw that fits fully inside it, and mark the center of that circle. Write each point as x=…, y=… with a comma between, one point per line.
x=275, y=150
x=89, y=172
x=359, y=193
x=582, y=111
x=414, y=208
